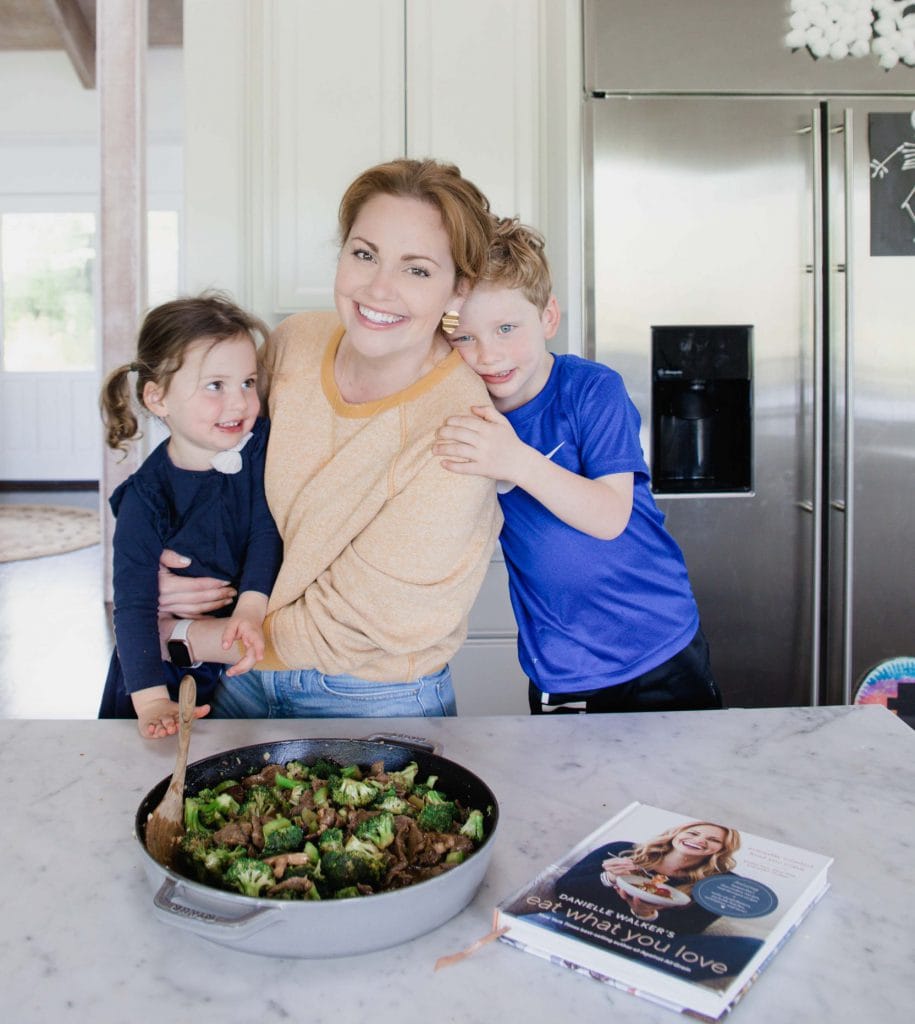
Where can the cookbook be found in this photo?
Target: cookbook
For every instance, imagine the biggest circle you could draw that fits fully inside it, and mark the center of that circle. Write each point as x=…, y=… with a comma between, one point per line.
x=682, y=911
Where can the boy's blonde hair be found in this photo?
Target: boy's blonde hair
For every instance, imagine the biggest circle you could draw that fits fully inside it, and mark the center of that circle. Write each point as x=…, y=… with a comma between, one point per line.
x=517, y=260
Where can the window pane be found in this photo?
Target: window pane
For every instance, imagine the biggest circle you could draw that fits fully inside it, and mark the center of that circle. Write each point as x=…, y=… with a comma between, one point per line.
x=46, y=261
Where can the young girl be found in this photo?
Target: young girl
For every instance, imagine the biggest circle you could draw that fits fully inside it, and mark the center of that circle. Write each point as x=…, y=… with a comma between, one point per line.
x=201, y=492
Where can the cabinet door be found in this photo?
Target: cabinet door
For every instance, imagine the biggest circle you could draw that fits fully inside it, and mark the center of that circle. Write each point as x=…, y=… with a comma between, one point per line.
x=333, y=106
x=473, y=95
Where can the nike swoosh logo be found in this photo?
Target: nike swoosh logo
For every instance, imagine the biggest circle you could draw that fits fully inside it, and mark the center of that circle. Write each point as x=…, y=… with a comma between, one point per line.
x=503, y=486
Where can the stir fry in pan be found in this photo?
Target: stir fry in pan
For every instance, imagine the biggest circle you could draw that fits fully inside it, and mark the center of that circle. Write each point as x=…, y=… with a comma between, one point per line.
x=325, y=831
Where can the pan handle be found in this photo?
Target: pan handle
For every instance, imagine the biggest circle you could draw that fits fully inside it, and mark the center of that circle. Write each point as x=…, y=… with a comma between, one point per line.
x=195, y=919
x=403, y=740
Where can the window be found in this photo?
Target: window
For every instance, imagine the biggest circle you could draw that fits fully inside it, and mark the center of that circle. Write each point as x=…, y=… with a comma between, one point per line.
x=47, y=267
x=46, y=276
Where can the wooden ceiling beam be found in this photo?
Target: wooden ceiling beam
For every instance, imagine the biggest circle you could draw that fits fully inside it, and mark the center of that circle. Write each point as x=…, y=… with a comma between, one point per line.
x=77, y=38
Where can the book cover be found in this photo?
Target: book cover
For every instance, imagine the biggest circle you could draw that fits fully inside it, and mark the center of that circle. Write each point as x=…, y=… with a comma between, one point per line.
x=679, y=910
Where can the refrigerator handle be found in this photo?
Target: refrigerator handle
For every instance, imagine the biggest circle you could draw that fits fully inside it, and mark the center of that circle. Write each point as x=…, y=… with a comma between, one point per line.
x=818, y=183
x=849, y=460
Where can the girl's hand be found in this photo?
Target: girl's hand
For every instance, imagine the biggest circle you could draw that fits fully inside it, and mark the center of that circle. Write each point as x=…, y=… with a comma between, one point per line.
x=484, y=444
x=157, y=713
x=251, y=636
x=189, y=597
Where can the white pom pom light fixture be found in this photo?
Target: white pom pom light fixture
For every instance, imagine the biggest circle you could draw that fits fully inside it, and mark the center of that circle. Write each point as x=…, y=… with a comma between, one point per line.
x=836, y=29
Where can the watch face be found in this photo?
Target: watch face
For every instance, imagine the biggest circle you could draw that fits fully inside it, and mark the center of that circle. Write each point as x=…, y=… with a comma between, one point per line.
x=179, y=654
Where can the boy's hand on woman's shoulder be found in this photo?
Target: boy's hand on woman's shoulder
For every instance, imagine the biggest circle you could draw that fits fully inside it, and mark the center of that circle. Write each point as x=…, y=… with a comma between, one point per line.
x=483, y=443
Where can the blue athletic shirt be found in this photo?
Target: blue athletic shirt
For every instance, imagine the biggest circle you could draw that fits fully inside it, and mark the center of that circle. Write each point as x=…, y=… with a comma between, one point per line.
x=591, y=613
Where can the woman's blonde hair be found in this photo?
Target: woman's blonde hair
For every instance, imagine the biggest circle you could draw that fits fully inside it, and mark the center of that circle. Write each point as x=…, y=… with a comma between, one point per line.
x=463, y=207
x=650, y=853
x=167, y=332
x=517, y=260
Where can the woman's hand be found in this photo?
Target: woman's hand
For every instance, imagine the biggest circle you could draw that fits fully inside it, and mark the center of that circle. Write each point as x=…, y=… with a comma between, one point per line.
x=189, y=597
x=157, y=713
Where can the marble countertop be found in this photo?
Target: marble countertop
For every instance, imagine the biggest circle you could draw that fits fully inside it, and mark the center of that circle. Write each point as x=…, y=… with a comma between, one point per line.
x=79, y=940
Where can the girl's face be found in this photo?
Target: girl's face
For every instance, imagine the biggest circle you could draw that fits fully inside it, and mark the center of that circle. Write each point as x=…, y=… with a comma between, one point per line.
x=211, y=402
x=395, y=278
x=699, y=841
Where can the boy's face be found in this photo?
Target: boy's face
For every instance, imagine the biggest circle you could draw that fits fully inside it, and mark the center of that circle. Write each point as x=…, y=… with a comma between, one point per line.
x=502, y=337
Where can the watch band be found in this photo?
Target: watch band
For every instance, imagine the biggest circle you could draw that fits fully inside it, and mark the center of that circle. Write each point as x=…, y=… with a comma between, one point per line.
x=179, y=639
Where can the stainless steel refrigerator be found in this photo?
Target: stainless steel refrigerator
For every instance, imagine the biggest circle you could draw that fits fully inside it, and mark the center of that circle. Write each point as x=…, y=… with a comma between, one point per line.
x=762, y=216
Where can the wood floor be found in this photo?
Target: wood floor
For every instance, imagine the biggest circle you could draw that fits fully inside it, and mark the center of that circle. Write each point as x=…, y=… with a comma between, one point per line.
x=55, y=633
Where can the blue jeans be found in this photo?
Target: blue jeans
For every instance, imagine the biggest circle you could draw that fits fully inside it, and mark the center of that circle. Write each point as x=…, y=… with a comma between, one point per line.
x=307, y=693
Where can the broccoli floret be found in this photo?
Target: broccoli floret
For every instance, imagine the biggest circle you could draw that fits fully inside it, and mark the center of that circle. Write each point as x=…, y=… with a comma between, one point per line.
x=357, y=844
x=347, y=893
x=473, y=826
x=296, y=770
x=259, y=801
x=378, y=829
x=436, y=817
x=405, y=779
x=192, y=821
x=354, y=792
x=284, y=782
x=321, y=796
x=432, y=796
x=249, y=876
x=390, y=801
x=360, y=861
x=325, y=769
x=218, y=811
x=342, y=869
x=330, y=839
x=281, y=836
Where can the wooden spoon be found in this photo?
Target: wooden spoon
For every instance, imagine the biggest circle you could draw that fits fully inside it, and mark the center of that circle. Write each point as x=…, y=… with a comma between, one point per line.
x=165, y=826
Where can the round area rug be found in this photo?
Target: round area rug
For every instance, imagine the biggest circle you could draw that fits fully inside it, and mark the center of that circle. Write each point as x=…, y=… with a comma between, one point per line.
x=31, y=531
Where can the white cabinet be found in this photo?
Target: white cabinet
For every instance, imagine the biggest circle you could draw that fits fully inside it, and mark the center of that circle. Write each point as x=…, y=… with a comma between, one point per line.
x=349, y=85
x=333, y=105
x=487, y=677
x=288, y=100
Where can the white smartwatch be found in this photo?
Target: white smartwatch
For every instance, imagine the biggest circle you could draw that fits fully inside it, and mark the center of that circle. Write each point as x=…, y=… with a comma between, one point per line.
x=179, y=647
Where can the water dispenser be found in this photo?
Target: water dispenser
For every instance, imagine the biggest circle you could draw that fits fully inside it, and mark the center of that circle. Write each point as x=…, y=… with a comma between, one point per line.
x=701, y=405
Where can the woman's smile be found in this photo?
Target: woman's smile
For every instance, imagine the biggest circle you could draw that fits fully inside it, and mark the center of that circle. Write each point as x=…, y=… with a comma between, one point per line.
x=377, y=316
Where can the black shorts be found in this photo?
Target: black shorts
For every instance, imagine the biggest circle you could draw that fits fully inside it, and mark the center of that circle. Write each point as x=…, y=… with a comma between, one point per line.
x=682, y=683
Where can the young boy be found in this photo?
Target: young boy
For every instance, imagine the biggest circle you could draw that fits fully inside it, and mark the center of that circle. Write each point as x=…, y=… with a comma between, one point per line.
x=606, y=617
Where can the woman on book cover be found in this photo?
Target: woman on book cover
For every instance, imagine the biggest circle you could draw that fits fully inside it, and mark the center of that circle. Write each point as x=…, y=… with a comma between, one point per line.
x=675, y=859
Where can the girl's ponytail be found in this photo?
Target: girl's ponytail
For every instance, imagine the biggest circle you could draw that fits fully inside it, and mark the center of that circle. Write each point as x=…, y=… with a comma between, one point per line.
x=117, y=410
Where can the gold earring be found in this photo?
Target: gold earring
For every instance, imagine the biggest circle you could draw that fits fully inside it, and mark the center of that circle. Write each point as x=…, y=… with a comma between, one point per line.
x=450, y=321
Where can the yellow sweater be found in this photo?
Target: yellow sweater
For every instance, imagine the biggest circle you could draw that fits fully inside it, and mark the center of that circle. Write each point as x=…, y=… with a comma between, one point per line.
x=384, y=551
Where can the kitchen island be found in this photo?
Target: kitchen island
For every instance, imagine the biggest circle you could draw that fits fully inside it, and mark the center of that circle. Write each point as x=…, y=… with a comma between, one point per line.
x=79, y=940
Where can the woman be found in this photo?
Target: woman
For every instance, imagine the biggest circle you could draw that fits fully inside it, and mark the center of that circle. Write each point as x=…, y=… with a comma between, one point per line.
x=684, y=854
x=384, y=551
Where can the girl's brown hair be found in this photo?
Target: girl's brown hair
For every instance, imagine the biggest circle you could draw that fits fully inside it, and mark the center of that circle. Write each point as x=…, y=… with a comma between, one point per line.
x=167, y=332
x=463, y=207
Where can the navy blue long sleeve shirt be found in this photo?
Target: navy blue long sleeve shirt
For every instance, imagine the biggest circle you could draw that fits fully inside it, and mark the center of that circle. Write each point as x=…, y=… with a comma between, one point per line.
x=221, y=521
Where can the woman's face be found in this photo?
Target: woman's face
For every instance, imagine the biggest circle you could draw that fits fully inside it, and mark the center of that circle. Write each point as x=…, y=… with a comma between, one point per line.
x=699, y=841
x=395, y=277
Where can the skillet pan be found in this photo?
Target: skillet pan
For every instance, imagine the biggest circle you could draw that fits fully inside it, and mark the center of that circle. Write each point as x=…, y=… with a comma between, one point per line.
x=329, y=928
